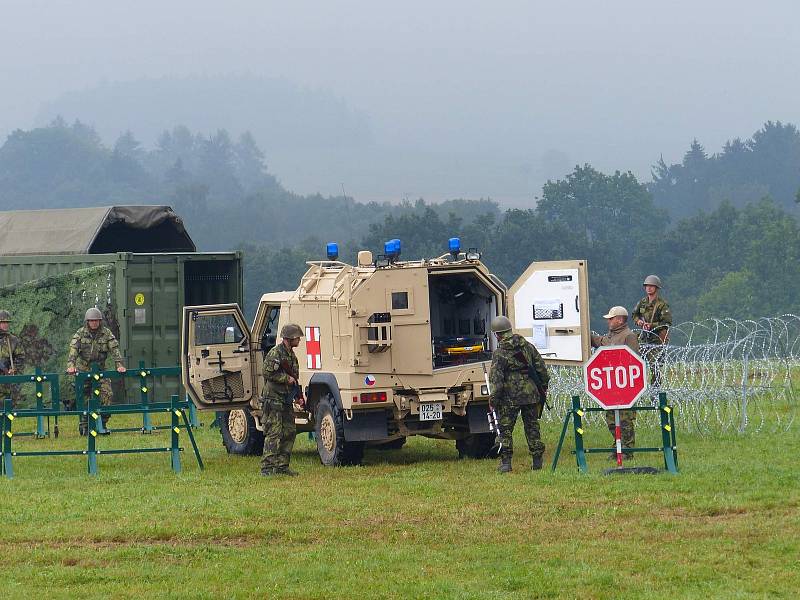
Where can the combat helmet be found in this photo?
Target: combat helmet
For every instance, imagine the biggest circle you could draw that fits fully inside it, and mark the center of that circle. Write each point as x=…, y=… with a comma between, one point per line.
x=93, y=314
x=290, y=331
x=5, y=316
x=501, y=324
x=652, y=280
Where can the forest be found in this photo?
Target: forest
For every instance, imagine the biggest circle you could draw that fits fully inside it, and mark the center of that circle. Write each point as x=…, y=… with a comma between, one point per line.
x=720, y=229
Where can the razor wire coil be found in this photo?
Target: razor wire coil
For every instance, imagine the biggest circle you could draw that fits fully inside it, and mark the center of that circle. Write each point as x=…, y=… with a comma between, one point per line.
x=722, y=376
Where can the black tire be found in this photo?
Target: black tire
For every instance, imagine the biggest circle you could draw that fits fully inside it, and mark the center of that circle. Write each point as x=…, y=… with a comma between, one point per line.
x=239, y=433
x=332, y=448
x=393, y=445
x=477, y=445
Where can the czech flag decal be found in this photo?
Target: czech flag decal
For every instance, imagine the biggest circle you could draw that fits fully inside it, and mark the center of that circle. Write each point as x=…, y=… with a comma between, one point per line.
x=369, y=380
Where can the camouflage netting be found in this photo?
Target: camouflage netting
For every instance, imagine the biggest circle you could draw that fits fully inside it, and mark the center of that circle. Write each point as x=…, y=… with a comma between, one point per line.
x=47, y=312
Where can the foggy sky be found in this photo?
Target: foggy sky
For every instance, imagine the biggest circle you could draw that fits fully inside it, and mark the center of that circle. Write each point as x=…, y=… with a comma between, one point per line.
x=470, y=99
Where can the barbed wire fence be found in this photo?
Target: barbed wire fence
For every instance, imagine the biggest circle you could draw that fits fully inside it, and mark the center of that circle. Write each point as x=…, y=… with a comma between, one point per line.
x=722, y=375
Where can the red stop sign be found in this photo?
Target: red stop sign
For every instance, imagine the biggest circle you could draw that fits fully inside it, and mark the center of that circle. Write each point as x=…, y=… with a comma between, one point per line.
x=615, y=377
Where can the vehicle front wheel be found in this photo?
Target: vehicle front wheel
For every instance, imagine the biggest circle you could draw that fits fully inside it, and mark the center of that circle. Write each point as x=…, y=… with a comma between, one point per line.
x=333, y=450
x=239, y=433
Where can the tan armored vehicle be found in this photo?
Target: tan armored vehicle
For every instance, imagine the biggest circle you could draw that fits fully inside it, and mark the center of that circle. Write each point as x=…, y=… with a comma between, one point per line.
x=391, y=348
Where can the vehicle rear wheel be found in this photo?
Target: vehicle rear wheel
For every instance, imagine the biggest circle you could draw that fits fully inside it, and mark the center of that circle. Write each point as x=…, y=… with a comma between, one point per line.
x=477, y=445
x=333, y=450
x=239, y=433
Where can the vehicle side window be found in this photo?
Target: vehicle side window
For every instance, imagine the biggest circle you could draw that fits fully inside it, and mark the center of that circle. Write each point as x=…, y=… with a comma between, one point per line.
x=270, y=336
x=217, y=329
x=399, y=300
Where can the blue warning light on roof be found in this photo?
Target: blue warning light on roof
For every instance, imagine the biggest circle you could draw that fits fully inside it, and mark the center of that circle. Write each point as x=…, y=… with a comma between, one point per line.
x=454, y=245
x=392, y=248
x=333, y=250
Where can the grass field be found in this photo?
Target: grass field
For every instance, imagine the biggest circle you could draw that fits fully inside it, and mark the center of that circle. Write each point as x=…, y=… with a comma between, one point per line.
x=413, y=523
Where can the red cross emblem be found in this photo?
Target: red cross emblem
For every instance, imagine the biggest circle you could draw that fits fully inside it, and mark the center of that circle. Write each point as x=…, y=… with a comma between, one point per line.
x=313, y=348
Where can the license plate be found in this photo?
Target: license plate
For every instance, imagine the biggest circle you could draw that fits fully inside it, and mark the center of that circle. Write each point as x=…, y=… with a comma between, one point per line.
x=430, y=412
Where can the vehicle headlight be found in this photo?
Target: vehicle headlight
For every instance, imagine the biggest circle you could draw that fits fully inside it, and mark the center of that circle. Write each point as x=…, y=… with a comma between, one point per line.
x=484, y=390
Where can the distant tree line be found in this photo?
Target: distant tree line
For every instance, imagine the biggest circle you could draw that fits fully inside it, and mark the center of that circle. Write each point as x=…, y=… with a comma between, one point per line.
x=731, y=262
x=767, y=164
x=220, y=186
x=721, y=230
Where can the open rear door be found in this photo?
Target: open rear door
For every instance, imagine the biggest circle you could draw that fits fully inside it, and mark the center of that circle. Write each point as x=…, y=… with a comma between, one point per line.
x=549, y=306
x=217, y=357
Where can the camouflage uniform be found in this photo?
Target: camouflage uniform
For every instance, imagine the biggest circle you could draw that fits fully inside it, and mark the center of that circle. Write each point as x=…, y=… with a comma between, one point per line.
x=658, y=314
x=622, y=336
x=277, y=414
x=91, y=348
x=10, y=352
x=513, y=391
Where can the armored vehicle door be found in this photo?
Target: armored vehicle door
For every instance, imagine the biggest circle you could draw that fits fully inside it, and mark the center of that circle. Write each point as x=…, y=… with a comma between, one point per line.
x=392, y=322
x=217, y=357
x=549, y=306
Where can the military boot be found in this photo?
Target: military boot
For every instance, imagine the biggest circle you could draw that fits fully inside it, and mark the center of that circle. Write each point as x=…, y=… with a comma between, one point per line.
x=505, y=464
x=536, y=464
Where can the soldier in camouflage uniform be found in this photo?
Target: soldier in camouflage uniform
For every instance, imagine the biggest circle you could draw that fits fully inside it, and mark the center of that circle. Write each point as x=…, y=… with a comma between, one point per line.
x=90, y=347
x=281, y=390
x=653, y=315
x=12, y=358
x=619, y=334
x=514, y=392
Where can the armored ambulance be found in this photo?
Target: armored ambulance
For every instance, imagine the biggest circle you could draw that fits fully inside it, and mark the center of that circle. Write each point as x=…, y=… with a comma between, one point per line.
x=392, y=348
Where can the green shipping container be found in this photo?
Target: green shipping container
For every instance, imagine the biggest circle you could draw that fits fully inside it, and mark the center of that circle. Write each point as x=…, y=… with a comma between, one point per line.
x=137, y=264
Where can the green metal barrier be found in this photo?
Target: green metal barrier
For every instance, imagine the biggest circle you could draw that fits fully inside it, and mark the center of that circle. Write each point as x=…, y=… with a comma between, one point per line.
x=94, y=412
x=181, y=412
x=669, y=446
x=143, y=375
x=39, y=380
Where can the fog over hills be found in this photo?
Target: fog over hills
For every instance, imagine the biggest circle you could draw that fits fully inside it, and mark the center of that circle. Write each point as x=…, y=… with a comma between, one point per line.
x=414, y=99
x=313, y=140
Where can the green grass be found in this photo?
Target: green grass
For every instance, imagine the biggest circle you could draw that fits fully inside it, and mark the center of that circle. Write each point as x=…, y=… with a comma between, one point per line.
x=413, y=523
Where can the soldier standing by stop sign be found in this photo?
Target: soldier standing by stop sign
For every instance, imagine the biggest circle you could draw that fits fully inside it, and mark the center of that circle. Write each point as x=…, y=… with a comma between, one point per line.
x=619, y=334
x=653, y=315
x=281, y=390
x=513, y=391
